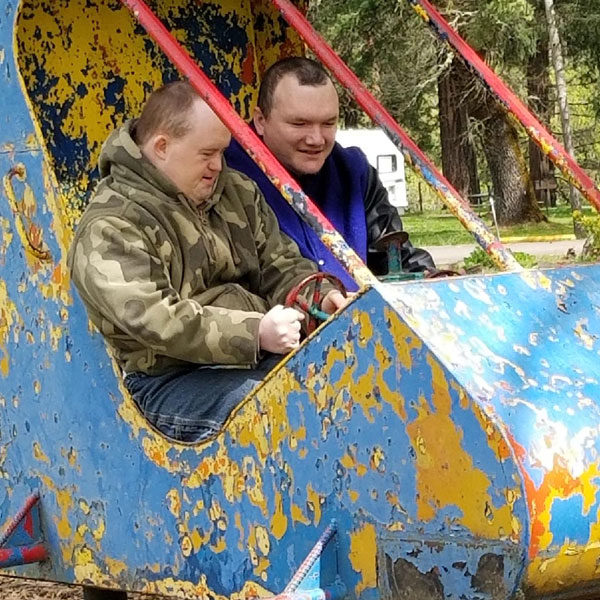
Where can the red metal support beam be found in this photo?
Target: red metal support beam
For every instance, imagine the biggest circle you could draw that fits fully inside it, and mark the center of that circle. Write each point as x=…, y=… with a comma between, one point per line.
x=253, y=145
x=538, y=133
x=25, y=511
x=19, y=540
x=412, y=153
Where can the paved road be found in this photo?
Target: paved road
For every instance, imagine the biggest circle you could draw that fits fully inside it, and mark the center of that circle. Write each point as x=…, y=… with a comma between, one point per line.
x=450, y=255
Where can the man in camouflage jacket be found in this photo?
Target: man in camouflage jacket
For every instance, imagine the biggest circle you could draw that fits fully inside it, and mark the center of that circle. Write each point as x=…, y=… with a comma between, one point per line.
x=181, y=265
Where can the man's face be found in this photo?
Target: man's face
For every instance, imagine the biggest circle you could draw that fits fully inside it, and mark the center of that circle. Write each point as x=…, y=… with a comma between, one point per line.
x=193, y=162
x=300, y=129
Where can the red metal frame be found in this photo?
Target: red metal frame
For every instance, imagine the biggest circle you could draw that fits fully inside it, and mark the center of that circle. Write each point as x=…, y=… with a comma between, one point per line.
x=282, y=180
x=24, y=513
x=538, y=133
x=413, y=154
x=26, y=525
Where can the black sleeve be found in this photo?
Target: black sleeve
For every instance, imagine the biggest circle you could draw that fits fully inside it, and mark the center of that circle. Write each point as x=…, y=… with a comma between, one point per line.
x=383, y=218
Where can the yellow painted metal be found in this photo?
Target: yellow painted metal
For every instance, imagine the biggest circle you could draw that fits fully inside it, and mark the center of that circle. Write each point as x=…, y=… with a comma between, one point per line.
x=83, y=50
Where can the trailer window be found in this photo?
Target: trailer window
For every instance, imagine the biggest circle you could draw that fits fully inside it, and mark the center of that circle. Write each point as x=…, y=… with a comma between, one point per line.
x=386, y=163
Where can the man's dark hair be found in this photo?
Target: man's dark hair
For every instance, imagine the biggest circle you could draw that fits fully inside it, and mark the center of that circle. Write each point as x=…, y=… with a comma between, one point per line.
x=306, y=71
x=166, y=111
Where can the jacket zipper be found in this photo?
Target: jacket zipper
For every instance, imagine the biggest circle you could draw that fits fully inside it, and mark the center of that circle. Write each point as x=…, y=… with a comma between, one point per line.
x=209, y=236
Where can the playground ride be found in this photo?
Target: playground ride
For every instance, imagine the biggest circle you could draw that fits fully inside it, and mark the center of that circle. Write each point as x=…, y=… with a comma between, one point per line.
x=434, y=439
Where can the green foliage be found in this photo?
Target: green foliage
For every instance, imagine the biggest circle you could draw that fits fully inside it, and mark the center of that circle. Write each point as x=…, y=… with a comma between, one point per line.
x=389, y=47
x=591, y=224
x=393, y=54
x=507, y=30
x=479, y=258
x=581, y=20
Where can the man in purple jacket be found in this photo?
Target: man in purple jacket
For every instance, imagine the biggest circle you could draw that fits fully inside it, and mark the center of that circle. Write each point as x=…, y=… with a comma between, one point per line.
x=297, y=117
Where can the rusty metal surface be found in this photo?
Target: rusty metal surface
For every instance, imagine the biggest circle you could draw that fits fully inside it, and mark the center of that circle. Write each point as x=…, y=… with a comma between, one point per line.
x=88, y=65
x=526, y=347
x=363, y=425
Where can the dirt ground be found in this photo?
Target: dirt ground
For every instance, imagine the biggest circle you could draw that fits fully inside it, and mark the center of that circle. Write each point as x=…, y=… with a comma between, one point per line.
x=21, y=589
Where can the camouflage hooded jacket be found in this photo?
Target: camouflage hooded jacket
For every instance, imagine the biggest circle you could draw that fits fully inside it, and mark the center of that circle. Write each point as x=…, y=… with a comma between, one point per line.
x=168, y=284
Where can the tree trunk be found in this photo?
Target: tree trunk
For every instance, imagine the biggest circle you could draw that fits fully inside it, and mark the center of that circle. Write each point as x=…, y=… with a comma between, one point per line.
x=513, y=189
x=459, y=161
x=561, y=86
x=541, y=167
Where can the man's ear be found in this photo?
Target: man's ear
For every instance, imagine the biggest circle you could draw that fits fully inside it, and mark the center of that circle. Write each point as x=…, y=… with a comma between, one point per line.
x=259, y=121
x=158, y=144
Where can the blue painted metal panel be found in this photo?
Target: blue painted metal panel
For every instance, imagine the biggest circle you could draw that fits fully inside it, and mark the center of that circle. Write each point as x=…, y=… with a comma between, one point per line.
x=526, y=347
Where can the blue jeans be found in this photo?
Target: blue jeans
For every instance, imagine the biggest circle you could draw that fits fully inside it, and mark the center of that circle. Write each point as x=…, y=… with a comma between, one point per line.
x=190, y=405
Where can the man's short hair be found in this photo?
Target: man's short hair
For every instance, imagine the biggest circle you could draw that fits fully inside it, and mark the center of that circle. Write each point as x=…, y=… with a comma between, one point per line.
x=166, y=111
x=307, y=72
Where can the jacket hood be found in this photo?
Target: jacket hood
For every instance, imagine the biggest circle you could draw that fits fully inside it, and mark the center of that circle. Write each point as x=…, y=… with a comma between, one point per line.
x=123, y=160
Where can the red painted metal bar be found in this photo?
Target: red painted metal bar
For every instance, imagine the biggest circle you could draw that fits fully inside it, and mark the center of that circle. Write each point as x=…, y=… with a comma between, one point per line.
x=253, y=145
x=538, y=133
x=26, y=553
x=12, y=525
x=414, y=156
x=22, y=555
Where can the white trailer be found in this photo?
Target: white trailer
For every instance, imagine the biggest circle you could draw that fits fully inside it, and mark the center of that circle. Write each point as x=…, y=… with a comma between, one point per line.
x=384, y=156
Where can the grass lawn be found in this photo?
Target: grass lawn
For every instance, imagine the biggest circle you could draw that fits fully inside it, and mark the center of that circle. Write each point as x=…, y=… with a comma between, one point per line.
x=443, y=229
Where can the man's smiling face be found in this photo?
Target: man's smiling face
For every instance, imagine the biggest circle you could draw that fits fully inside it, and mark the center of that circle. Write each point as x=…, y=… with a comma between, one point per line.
x=301, y=126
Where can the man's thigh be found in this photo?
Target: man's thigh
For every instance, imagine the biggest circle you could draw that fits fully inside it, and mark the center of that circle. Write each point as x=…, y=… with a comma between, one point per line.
x=189, y=405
